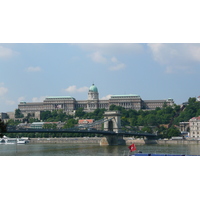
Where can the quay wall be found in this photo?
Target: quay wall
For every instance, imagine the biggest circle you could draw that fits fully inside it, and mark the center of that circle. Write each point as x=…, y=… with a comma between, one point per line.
x=128, y=142
x=91, y=140
x=96, y=140
x=178, y=141
x=83, y=140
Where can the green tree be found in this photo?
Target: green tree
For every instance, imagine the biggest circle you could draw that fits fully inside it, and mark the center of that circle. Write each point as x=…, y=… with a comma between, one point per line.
x=52, y=126
x=18, y=114
x=3, y=128
x=44, y=115
x=70, y=123
x=172, y=131
x=12, y=122
x=79, y=112
x=147, y=129
x=150, y=120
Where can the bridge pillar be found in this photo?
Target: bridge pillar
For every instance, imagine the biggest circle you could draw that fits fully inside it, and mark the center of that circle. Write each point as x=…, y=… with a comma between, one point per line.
x=112, y=140
x=112, y=123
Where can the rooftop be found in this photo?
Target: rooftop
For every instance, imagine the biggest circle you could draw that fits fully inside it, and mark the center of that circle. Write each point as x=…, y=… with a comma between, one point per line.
x=93, y=88
x=125, y=96
x=195, y=118
x=59, y=97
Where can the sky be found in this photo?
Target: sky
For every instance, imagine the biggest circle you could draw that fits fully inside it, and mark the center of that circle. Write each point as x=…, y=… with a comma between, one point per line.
x=62, y=48
x=33, y=71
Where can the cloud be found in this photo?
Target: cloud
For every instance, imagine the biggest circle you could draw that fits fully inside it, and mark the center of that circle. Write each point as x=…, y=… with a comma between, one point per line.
x=176, y=57
x=38, y=99
x=106, y=97
x=10, y=102
x=33, y=69
x=21, y=99
x=97, y=57
x=118, y=65
x=107, y=53
x=74, y=89
x=3, y=90
x=113, y=59
x=6, y=52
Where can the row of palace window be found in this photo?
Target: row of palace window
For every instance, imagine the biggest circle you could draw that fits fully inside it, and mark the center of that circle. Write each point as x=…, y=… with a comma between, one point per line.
x=194, y=132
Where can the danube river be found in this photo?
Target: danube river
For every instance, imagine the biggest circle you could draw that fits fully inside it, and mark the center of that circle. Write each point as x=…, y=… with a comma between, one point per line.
x=31, y=149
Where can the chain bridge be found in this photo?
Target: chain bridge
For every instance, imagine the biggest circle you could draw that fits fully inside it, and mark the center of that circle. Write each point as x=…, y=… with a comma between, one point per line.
x=111, y=129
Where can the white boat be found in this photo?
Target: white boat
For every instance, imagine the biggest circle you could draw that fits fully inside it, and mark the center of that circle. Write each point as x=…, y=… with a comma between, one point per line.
x=21, y=141
x=10, y=141
x=2, y=141
x=6, y=140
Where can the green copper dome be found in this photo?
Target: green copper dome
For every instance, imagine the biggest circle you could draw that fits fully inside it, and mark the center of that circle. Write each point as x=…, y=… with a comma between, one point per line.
x=93, y=88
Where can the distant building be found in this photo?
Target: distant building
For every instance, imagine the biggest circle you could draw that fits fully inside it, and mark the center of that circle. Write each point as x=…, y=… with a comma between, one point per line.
x=4, y=116
x=194, y=125
x=82, y=122
x=69, y=104
x=184, y=127
x=198, y=98
x=85, y=121
x=37, y=125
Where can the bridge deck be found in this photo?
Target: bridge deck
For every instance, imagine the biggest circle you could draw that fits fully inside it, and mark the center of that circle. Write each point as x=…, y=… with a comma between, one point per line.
x=81, y=131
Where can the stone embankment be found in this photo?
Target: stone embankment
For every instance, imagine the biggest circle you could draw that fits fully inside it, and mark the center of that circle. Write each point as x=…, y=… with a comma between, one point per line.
x=78, y=140
x=178, y=141
x=96, y=140
x=85, y=140
x=142, y=141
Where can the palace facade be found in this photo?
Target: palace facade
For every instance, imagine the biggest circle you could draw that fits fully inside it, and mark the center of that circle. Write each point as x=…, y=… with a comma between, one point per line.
x=69, y=104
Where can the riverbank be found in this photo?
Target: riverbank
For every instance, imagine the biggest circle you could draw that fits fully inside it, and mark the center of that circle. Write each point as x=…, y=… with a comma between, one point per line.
x=78, y=140
x=142, y=141
x=84, y=140
x=96, y=140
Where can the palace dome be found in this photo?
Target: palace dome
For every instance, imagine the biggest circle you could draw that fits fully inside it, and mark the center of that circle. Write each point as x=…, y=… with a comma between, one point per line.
x=93, y=88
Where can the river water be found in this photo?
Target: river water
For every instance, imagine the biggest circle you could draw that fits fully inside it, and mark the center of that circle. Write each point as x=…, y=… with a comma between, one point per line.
x=92, y=149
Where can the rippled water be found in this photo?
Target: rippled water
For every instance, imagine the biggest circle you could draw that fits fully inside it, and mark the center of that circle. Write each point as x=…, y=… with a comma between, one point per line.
x=91, y=149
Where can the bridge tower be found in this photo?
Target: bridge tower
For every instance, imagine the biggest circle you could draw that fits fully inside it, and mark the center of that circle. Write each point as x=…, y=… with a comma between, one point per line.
x=112, y=123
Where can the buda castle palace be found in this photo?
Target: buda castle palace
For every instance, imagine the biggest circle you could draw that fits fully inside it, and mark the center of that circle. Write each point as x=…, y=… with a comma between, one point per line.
x=69, y=104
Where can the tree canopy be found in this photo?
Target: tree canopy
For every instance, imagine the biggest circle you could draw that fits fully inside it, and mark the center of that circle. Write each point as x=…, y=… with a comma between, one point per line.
x=3, y=128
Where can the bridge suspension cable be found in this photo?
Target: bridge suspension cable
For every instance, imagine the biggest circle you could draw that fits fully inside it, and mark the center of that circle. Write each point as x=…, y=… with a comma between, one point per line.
x=101, y=121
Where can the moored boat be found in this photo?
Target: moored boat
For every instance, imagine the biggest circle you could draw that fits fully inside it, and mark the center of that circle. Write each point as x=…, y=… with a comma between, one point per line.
x=21, y=141
x=6, y=140
x=159, y=154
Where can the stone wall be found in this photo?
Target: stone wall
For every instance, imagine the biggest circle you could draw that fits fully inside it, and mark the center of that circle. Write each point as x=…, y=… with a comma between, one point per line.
x=93, y=140
x=96, y=140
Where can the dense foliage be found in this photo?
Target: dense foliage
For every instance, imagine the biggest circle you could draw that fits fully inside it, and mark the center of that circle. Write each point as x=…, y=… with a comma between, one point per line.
x=54, y=116
x=191, y=110
x=97, y=114
x=3, y=128
x=18, y=114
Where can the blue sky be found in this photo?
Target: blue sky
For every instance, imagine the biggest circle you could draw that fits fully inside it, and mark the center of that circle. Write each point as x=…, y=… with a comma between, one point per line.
x=32, y=71
x=128, y=47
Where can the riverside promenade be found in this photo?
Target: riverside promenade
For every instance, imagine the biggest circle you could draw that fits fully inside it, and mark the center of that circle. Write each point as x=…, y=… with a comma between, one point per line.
x=96, y=140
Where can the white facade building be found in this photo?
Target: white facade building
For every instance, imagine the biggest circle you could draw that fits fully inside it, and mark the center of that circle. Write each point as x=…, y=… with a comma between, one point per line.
x=194, y=125
x=69, y=104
